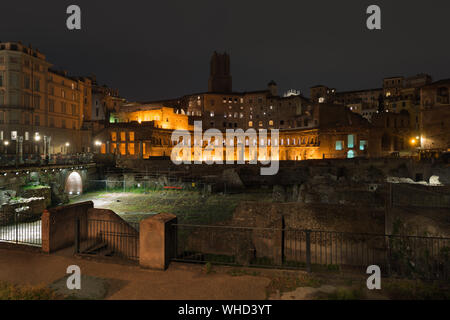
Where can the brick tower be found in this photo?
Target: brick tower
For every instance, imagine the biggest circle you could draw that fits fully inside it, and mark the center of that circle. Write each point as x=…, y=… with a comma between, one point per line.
x=220, y=77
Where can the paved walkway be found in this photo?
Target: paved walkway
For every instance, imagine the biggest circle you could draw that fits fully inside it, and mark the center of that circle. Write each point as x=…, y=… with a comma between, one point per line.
x=180, y=281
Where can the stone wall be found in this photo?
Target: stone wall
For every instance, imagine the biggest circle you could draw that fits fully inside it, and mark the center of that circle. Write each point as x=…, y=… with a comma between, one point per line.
x=310, y=216
x=40, y=192
x=58, y=228
x=58, y=225
x=109, y=228
x=22, y=210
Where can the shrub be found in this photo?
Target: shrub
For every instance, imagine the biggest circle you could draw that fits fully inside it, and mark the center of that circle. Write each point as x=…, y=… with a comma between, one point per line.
x=16, y=292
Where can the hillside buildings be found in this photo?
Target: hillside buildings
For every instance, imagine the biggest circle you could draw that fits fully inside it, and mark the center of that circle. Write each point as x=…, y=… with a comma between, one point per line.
x=43, y=112
x=435, y=116
x=308, y=129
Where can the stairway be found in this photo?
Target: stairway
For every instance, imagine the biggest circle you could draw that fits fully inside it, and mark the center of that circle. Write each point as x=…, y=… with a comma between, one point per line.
x=99, y=249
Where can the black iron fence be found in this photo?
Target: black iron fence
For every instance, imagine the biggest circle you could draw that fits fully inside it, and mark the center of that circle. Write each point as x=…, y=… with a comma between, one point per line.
x=20, y=228
x=9, y=160
x=406, y=256
x=107, y=238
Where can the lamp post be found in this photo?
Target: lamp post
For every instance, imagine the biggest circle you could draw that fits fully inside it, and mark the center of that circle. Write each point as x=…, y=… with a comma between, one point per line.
x=47, y=140
x=6, y=143
x=98, y=145
x=37, y=138
x=19, y=151
x=415, y=143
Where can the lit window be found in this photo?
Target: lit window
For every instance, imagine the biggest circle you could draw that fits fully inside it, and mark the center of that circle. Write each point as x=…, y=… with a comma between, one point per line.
x=363, y=145
x=351, y=141
x=271, y=123
x=339, y=145
x=123, y=150
x=123, y=136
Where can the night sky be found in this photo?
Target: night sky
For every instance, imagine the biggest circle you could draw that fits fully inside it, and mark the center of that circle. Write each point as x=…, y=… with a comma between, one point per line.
x=161, y=49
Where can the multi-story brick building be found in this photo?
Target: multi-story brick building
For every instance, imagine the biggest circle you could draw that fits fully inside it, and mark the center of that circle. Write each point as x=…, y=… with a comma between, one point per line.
x=435, y=119
x=363, y=102
x=397, y=94
x=222, y=108
x=308, y=130
x=144, y=132
x=41, y=110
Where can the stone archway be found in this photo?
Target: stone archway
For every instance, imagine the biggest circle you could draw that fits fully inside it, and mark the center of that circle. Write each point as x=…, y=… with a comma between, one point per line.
x=74, y=184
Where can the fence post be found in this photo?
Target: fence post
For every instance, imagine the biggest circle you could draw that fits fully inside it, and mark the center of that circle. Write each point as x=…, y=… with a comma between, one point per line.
x=308, y=251
x=389, y=255
x=16, y=222
x=77, y=235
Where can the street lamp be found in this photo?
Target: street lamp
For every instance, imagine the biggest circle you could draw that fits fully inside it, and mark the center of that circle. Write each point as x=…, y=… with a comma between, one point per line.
x=98, y=146
x=6, y=143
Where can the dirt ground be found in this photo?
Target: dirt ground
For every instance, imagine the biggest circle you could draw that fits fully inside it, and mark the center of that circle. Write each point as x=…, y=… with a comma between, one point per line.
x=131, y=282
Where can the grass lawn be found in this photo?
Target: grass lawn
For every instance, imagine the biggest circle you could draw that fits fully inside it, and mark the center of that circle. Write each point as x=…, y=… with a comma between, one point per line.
x=189, y=206
x=15, y=292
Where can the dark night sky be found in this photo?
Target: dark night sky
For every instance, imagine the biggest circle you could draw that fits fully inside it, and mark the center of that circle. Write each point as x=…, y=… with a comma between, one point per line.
x=161, y=49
